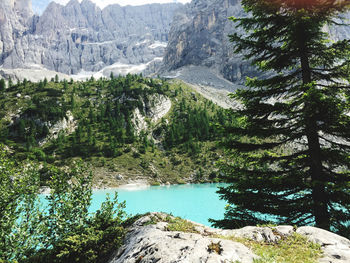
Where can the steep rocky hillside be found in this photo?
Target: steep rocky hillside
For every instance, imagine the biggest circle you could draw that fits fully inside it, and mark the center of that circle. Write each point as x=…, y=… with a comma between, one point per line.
x=199, y=37
x=80, y=37
x=127, y=128
x=15, y=21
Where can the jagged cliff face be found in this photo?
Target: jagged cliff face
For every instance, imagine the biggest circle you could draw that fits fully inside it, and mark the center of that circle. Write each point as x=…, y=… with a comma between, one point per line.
x=81, y=36
x=15, y=20
x=199, y=36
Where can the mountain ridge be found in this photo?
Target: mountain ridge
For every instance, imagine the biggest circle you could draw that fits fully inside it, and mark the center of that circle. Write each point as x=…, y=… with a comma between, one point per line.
x=81, y=36
x=172, y=40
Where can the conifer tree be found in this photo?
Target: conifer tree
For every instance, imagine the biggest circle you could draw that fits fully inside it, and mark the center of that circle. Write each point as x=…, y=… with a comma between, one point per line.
x=10, y=83
x=2, y=85
x=291, y=147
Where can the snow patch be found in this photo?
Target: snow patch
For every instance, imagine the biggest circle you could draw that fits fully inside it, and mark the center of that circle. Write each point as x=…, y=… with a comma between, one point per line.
x=117, y=69
x=143, y=42
x=100, y=43
x=158, y=44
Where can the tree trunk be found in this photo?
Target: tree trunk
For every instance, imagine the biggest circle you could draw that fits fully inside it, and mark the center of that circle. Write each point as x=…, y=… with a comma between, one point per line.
x=318, y=180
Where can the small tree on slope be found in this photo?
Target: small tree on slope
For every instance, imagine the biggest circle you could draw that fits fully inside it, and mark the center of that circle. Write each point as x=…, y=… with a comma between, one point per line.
x=291, y=149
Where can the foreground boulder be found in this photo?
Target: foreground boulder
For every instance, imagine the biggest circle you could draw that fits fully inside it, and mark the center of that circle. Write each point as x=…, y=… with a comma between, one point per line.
x=335, y=248
x=158, y=237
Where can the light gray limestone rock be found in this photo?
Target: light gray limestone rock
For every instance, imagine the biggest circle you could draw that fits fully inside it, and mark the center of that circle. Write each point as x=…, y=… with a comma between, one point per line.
x=155, y=107
x=199, y=36
x=153, y=243
x=148, y=240
x=67, y=125
x=82, y=37
x=336, y=248
x=261, y=234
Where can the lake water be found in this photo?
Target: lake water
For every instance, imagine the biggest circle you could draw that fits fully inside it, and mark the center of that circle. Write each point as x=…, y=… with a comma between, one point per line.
x=196, y=202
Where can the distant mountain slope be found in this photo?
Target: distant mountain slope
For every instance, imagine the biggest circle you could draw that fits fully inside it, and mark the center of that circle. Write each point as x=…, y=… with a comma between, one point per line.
x=199, y=36
x=81, y=36
x=15, y=21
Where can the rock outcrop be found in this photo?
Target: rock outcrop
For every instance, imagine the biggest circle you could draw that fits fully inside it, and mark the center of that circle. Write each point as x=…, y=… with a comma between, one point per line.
x=154, y=108
x=336, y=248
x=82, y=37
x=149, y=240
x=66, y=125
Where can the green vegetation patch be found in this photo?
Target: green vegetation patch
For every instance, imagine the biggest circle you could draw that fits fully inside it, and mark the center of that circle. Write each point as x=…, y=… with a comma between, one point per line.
x=63, y=231
x=179, y=224
x=292, y=249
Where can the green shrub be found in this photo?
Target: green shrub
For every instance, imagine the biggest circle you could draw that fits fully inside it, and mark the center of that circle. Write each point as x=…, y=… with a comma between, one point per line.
x=39, y=154
x=64, y=231
x=179, y=224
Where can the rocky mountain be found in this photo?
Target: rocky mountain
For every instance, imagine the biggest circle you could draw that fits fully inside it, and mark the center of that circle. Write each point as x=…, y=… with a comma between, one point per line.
x=199, y=37
x=189, y=41
x=15, y=20
x=80, y=37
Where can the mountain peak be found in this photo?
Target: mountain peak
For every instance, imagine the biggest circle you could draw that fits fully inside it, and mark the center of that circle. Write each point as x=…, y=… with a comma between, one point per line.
x=73, y=3
x=88, y=4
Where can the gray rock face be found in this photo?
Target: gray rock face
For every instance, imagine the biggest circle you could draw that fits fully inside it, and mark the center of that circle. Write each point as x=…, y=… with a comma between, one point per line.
x=81, y=36
x=199, y=36
x=66, y=125
x=261, y=234
x=15, y=21
x=153, y=243
x=155, y=107
x=149, y=240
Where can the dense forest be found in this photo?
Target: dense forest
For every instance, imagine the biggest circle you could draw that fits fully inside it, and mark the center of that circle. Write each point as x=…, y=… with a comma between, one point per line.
x=113, y=124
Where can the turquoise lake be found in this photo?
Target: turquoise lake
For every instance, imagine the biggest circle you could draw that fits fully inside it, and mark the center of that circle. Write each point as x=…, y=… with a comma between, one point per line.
x=196, y=202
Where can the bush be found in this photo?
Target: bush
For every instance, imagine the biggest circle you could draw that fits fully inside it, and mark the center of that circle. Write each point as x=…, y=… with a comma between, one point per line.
x=64, y=231
x=90, y=243
x=136, y=154
x=39, y=154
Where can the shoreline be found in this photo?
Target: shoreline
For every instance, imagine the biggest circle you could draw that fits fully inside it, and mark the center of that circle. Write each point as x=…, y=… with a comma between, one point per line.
x=131, y=186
